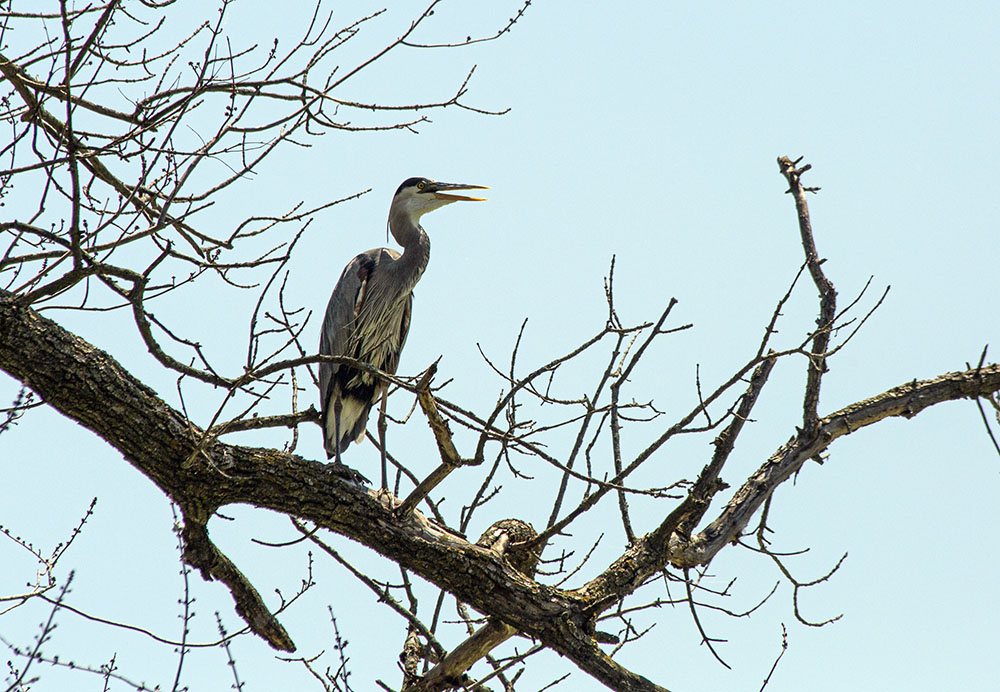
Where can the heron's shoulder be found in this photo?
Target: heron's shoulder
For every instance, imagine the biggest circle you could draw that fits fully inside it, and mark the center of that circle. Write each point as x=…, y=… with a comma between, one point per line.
x=384, y=254
x=375, y=256
x=364, y=264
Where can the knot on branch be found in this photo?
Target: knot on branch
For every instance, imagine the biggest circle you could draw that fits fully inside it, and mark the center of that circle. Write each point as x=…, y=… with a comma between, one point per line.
x=511, y=539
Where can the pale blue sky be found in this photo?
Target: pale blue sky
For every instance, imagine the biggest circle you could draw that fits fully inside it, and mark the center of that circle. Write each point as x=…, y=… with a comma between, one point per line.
x=649, y=133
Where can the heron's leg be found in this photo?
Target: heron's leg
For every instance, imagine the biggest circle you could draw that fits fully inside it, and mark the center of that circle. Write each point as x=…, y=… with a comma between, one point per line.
x=337, y=408
x=381, y=437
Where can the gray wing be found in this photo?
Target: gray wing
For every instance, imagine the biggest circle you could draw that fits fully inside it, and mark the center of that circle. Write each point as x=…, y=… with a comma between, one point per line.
x=339, y=322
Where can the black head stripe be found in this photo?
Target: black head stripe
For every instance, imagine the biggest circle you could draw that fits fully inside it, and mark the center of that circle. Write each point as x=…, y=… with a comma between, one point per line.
x=411, y=182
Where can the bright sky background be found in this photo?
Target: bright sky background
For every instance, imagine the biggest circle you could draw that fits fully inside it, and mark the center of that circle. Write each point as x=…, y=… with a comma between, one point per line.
x=648, y=132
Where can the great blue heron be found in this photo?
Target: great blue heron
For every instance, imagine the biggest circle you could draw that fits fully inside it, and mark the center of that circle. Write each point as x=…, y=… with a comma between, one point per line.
x=369, y=314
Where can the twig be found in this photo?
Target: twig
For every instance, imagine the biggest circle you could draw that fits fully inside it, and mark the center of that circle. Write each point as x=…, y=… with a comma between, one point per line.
x=979, y=404
x=784, y=648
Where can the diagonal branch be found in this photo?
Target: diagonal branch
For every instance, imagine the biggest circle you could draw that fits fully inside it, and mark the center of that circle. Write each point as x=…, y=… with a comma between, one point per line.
x=200, y=552
x=651, y=552
x=906, y=401
x=450, y=458
x=827, y=293
x=90, y=387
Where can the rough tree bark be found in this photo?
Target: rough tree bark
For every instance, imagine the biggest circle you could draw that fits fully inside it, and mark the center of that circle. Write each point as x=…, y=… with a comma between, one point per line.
x=88, y=386
x=114, y=225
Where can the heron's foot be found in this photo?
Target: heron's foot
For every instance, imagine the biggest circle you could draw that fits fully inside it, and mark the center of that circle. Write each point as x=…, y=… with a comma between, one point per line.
x=346, y=472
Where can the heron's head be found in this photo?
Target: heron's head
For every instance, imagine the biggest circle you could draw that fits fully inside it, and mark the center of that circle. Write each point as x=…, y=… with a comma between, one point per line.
x=417, y=196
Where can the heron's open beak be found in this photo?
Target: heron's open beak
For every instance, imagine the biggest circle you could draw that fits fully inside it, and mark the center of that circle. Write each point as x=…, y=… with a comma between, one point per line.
x=457, y=186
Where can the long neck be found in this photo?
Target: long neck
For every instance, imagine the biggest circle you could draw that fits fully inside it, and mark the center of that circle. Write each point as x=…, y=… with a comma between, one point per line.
x=416, y=248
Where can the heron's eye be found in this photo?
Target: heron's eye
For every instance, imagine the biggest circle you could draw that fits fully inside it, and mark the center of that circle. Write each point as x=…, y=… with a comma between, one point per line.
x=420, y=186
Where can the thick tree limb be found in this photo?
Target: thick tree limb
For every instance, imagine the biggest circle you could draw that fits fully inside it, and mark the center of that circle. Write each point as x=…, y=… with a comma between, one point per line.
x=90, y=387
x=508, y=538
